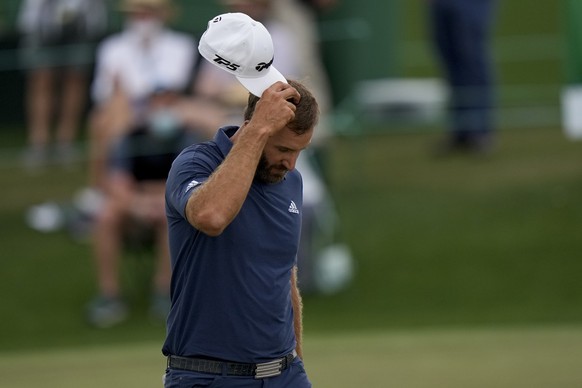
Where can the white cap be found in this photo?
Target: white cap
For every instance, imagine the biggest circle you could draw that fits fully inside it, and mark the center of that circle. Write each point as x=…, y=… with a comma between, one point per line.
x=242, y=46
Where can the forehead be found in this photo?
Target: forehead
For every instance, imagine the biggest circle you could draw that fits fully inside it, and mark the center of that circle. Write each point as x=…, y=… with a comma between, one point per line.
x=289, y=139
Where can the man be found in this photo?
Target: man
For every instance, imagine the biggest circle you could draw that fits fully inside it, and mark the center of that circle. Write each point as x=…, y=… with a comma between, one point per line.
x=461, y=35
x=320, y=223
x=58, y=41
x=234, y=214
x=133, y=201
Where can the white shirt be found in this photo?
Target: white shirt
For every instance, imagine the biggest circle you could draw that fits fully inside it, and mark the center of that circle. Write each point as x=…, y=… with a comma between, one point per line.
x=167, y=61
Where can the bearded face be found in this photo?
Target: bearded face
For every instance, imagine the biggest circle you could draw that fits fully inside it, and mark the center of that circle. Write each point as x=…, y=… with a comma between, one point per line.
x=269, y=173
x=280, y=155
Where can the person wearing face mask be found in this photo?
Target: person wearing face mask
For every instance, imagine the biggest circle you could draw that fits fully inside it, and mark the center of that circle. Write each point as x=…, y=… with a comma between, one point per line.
x=129, y=66
x=138, y=166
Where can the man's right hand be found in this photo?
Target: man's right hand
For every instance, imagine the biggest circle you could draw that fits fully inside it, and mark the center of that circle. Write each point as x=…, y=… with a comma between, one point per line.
x=276, y=107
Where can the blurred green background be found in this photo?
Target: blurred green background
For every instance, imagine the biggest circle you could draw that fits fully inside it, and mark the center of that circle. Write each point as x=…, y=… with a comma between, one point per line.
x=465, y=258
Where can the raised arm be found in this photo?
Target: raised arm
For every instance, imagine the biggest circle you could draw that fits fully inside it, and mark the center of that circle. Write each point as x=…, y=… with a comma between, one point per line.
x=213, y=206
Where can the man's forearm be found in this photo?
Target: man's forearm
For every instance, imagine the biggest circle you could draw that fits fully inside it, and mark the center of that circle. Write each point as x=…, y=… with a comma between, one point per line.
x=215, y=204
x=297, y=312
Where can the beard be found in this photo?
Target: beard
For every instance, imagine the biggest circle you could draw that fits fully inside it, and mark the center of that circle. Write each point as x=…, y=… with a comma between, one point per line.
x=269, y=173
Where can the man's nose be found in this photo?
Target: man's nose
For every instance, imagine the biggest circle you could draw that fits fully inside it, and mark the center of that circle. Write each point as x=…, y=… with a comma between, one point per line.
x=289, y=163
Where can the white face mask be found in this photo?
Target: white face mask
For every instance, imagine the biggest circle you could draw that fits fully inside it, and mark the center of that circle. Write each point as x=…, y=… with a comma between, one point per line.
x=163, y=123
x=144, y=29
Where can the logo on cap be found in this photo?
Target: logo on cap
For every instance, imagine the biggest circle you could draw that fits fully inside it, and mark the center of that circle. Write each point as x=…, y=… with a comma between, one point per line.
x=262, y=65
x=228, y=64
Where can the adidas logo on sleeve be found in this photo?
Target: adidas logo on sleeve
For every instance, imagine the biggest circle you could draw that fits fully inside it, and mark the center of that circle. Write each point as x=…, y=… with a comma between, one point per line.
x=293, y=208
x=191, y=185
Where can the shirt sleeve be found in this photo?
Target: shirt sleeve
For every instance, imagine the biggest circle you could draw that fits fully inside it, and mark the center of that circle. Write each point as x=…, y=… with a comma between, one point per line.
x=190, y=170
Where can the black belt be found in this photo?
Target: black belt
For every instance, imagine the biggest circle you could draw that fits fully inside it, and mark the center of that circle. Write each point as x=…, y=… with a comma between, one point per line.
x=260, y=371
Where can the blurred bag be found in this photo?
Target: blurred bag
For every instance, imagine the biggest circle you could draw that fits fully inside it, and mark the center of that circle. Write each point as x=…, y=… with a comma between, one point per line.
x=572, y=111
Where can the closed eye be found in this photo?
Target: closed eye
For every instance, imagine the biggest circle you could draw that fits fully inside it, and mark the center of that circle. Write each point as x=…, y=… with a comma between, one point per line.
x=284, y=149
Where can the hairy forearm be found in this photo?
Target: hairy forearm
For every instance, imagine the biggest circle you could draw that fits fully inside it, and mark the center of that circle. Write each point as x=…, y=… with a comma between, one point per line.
x=213, y=206
x=297, y=313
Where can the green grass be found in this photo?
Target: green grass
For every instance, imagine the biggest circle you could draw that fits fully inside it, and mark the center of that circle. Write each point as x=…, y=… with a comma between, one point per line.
x=500, y=358
x=452, y=242
x=460, y=240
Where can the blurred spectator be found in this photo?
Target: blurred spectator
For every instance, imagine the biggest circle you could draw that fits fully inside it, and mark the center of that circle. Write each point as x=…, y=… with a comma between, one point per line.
x=134, y=200
x=302, y=17
x=130, y=65
x=461, y=33
x=58, y=39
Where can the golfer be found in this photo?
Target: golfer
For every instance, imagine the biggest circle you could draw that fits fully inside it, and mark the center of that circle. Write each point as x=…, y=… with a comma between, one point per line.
x=234, y=214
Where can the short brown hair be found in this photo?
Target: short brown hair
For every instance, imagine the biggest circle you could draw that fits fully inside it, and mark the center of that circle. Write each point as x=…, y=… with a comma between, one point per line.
x=306, y=115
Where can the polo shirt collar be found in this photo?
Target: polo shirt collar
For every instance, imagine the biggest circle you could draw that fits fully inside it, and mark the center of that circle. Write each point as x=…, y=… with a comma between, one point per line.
x=222, y=138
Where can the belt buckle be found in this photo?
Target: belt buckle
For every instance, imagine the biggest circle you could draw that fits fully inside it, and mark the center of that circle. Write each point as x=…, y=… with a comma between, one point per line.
x=269, y=369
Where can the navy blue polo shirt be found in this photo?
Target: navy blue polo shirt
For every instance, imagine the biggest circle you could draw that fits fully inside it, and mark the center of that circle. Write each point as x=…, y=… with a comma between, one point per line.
x=231, y=295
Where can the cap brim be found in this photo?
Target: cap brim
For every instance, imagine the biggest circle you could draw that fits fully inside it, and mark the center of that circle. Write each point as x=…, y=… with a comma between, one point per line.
x=258, y=85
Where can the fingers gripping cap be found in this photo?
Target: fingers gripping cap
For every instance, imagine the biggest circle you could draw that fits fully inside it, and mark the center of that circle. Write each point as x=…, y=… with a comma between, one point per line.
x=242, y=46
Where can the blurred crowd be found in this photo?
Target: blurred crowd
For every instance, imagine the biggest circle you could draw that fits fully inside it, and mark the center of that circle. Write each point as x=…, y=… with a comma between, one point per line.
x=151, y=95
